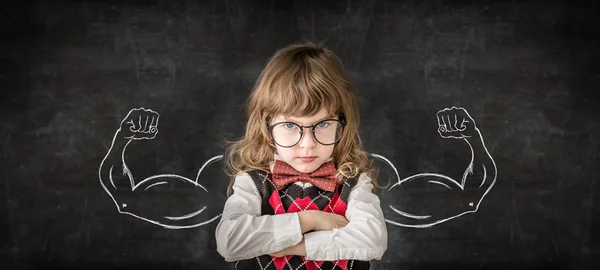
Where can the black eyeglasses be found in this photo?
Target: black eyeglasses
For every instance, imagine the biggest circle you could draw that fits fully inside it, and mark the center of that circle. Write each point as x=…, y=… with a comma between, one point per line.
x=325, y=132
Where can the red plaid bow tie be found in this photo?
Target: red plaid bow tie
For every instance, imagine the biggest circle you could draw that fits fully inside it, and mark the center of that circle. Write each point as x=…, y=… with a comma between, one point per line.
x=323, y=177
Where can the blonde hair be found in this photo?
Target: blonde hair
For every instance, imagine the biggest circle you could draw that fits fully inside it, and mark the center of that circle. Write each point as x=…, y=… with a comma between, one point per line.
x=299, y=80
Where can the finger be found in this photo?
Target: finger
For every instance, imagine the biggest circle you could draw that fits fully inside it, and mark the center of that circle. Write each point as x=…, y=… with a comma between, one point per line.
x=441, y=124
x=131, y=125
x=452, y=123
x=156, y=116
x=462, y=125
x=449, y=123
x=455, y=122
x=135, y=124
x=146, y=126
x=153, y=125
x=139, y=123
x=144, y=123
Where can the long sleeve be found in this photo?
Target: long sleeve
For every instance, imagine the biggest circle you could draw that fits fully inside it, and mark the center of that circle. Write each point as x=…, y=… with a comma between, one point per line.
x=242, y=233
x=363, y=238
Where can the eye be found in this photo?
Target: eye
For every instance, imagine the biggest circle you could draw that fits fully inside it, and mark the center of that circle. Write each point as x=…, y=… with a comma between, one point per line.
x=289, y=125
x=323, y=124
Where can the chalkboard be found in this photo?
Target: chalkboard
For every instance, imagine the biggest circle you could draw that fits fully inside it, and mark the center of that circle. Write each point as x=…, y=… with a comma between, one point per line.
x=482, y=118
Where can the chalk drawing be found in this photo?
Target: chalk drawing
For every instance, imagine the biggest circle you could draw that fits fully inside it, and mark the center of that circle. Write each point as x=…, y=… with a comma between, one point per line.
x=142, y=124
x=453, y=123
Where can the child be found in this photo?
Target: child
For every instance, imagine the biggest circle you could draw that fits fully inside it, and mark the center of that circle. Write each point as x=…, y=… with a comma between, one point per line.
x=301, y=195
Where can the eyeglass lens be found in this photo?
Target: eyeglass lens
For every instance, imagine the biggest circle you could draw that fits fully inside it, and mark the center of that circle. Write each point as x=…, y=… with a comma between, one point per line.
x=289, y=134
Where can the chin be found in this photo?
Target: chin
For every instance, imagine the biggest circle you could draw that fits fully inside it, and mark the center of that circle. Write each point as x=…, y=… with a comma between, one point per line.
x=307, y=167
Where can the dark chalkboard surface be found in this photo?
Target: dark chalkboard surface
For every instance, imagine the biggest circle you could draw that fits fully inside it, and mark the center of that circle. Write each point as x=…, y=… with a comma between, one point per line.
x=482, y=118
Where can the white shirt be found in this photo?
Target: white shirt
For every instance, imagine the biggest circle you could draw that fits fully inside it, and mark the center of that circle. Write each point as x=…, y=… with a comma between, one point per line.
x=242, y=233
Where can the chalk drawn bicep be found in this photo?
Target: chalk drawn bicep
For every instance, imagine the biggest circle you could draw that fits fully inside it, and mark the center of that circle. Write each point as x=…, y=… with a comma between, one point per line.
x=465, y=195
x=158, y=190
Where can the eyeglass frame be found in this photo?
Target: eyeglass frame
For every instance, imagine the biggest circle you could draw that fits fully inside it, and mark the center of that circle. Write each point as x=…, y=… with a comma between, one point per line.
x=341, y=120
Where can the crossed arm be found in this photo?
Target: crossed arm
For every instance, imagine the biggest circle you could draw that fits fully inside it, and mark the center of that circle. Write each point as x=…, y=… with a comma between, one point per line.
x=242, y=233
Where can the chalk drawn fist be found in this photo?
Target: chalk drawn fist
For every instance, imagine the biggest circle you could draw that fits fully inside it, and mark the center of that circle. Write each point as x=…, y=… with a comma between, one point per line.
x=455, y=123
x=140, y=124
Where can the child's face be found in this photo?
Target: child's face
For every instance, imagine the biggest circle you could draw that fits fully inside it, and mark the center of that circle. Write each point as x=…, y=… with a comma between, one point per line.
x=307, y=146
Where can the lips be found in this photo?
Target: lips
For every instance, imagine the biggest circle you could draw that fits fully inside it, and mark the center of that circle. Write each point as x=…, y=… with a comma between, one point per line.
x=307, y=159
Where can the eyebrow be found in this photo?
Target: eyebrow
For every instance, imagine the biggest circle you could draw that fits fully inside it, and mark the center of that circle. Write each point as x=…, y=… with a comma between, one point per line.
x=331, y=116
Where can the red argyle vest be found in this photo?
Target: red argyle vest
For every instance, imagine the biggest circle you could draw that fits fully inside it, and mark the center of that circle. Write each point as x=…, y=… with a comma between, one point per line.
x=294, y=198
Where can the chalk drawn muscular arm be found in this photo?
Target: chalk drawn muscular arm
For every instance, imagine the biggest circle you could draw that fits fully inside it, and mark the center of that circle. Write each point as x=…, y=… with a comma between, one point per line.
x=445, y=198
x=145, y=199
x=115, y=176
x=456, y=123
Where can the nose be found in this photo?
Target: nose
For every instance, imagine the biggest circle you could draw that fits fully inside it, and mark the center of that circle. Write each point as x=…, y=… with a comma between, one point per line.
x=307, y=140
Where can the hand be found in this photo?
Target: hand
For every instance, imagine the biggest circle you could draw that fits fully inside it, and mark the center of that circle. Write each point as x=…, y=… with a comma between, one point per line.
x=324, y=221
x=455, y=123
x=278, y=254
x=140, y=124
